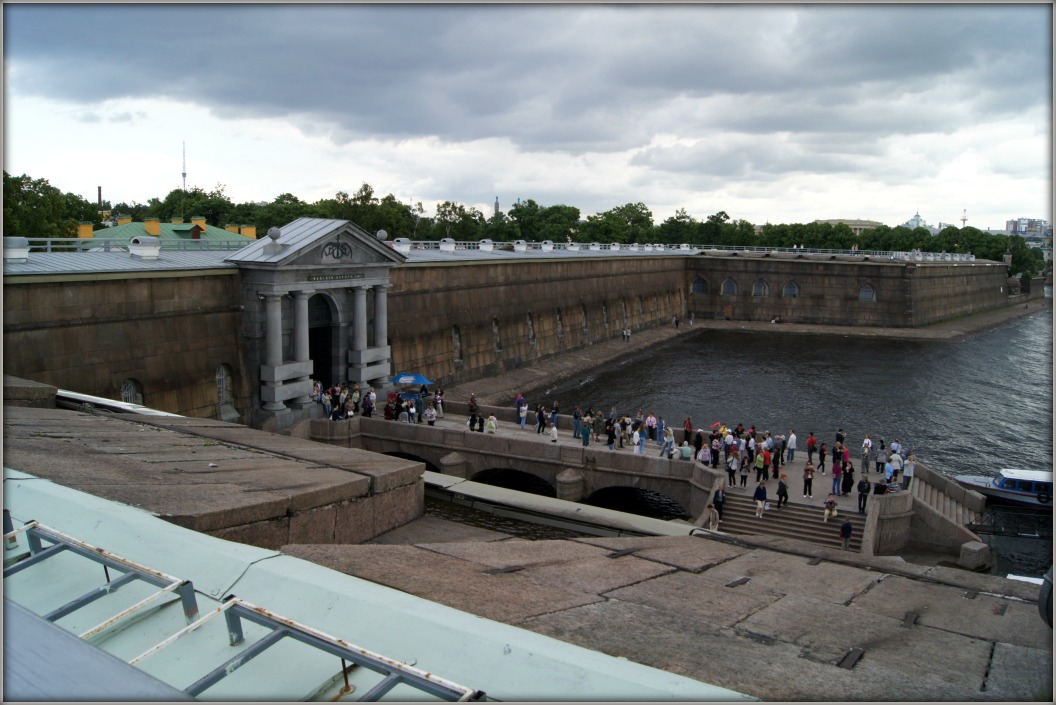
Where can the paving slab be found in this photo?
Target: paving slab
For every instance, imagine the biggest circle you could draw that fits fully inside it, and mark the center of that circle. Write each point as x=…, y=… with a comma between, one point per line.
x=517, y=552
x=693, y=553
x=597, y=576
x=782, y=574
x=458, y=583
x=954, y=609
x=769, y=670
x=696, y=596
x=827, y=633
x=1019, y=673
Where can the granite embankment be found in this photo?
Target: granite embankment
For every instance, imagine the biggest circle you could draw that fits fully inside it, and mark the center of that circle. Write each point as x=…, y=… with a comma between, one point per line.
x=503, y=389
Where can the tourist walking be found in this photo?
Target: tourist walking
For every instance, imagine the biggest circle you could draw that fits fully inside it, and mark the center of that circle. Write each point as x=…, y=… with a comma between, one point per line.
x=848, y=479
x=687, y=427
x=719, y=498
x=760, y=499
x=822, y=450
x=812, y=447
x=830, y=507
x=636, y=440
x=429, y=414
x=808, y=480
x=522, y=412
x=540, y=418
x=864, y=488
x=881, y=456
x=791, y=444
x=686, y=451
x=782, y=490
x=438, y=401
x=577, y=420
x=492, y=424
x=711, y=518
x=867, y=447
x=610, y=434
x=553, y=432
x=845, y=533
x=668, y=447
x=585, y=434
x=744, y=474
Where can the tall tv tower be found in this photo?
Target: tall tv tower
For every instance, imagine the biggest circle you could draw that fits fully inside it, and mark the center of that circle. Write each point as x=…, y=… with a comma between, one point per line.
x=964, y=217
x=184, y=166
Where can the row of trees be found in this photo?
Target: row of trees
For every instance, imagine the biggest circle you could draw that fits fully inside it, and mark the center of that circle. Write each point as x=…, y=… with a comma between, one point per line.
x=34, y=208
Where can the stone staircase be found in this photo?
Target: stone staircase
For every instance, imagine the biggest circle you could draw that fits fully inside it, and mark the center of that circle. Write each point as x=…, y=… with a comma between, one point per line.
x=943, y=503
x=793, y=520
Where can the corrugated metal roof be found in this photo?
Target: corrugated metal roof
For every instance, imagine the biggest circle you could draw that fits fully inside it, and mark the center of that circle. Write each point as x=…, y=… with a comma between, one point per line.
x=44, y=263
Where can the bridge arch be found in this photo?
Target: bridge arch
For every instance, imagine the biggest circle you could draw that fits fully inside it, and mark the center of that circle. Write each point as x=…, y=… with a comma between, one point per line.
x=511, y=479
x=636, y=500
x=416, y=458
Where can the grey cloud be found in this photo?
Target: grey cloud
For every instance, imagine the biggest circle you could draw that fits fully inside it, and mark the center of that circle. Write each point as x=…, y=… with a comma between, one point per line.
x=563, y=78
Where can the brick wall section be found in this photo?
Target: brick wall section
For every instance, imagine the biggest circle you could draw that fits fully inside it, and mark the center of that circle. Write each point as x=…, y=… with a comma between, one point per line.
x=170, y=334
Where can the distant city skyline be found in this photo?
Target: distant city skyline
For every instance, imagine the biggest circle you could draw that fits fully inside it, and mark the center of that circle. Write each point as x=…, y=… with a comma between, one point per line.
x=771, y=113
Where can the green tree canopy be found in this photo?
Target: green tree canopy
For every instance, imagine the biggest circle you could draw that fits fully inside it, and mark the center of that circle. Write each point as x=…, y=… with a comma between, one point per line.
x=35, y=208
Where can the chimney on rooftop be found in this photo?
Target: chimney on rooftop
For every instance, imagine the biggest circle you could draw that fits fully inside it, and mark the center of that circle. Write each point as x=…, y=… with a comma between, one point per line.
x=153, y=226
x=177, y=219
x=199, y=220
x=84, y=229
x=249, y=231
x=123, y=219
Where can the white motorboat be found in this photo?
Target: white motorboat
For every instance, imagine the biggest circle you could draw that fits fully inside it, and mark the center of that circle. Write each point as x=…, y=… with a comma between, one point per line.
x=1030, y=487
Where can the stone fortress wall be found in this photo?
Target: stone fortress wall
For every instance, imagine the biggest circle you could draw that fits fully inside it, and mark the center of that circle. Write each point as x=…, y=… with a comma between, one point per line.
x=171, y=331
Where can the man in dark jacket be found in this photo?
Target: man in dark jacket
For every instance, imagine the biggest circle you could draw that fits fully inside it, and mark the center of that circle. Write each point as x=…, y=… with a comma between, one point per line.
x=864, y=488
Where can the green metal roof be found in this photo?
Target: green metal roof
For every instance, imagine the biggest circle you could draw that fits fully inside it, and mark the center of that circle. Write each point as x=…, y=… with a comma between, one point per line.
x=167, y=231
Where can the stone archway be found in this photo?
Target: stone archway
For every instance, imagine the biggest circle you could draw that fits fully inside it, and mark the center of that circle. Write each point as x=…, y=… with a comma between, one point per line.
x=321, y=340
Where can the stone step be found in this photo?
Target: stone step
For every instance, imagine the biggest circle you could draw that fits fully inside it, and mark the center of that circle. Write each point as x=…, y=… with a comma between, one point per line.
x=802, y=522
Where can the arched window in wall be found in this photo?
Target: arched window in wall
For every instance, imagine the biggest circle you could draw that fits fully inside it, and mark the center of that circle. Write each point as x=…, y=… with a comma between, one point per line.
x=760, y=288
x=225, y=385
x=791, y=290
x=700, y=285
x=131, y=392
x=497, y=333
x=729, y=288
x=867, y=293
x=605, y=316
x=586, y=322
x=225, y=394
x=456, y=345
x=560, y=325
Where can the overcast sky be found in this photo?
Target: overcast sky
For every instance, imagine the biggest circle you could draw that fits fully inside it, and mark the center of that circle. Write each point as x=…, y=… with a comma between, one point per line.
x=772, y=113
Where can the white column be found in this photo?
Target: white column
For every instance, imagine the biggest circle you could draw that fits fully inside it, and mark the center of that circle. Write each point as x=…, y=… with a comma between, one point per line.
x=300, y=339
x=359, y=319
x=273, y=342
x=381, y=316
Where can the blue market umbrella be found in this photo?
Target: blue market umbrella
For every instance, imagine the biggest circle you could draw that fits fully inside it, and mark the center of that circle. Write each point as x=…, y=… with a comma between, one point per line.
x=410, y=378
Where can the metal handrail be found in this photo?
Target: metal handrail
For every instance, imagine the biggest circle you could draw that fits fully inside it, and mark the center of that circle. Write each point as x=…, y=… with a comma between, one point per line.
x=112, y=244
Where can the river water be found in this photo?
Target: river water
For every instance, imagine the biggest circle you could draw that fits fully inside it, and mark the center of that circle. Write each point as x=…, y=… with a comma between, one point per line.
x=970, y=406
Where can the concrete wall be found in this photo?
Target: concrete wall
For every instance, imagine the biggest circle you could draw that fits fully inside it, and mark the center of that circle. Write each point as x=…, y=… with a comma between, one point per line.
x=888, y=524
x=169, y=333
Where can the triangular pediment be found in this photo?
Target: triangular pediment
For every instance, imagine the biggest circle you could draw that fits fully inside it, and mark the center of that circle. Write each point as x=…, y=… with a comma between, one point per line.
x=318, y=242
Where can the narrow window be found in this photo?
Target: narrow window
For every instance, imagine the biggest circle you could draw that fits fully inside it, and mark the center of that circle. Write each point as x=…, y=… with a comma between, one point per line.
x=867, y=293
x=224, y=385
x=760, y=288
x=498, y=336
x=729, y=288
x=791, y=290
x=456, y=344
x=131, y=392
x=700, y=285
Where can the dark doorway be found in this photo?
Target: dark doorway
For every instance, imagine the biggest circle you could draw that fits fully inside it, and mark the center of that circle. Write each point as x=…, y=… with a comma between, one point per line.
x=320, y=339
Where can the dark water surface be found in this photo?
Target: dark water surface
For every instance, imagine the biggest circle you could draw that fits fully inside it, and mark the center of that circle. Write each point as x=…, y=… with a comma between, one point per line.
x=968, y=406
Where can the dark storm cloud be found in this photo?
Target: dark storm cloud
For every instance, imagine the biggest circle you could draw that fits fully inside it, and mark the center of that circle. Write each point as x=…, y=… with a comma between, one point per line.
x=567, y=79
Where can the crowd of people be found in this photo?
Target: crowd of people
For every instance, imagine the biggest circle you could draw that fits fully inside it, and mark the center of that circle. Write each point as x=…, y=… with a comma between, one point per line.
x=739, y=450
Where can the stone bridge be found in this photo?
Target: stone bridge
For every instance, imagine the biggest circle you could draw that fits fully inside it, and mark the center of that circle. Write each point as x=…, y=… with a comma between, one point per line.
x=573, y=471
